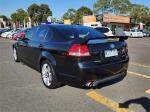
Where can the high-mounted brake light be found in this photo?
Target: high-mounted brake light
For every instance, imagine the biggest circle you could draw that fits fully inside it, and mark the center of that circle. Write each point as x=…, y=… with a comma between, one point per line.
x=79, y=50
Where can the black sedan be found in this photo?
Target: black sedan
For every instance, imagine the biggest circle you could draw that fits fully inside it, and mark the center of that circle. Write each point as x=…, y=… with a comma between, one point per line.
x=72, y=54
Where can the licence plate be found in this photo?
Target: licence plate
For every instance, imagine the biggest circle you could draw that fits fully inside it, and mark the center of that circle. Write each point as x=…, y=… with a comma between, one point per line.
x=110, y=53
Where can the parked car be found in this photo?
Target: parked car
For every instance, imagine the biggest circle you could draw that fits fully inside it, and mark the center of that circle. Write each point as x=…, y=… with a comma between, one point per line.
x=72, y=54
x=145, y=33
x=134, y=33
x=148, y=34
x=8, y=33
x=105, y=31
x=20, y=34
x=13, y=33
x=4, y=30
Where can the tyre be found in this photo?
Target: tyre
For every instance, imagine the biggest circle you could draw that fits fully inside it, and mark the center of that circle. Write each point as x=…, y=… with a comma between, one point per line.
x=15, y=55
x=48, y=75
x=7, y=36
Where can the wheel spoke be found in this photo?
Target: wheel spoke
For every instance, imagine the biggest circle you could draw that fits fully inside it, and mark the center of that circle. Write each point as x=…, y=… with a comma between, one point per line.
x=46, y=74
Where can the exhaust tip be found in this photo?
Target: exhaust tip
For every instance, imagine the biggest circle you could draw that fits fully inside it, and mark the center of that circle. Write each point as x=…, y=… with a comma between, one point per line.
x=89, y=84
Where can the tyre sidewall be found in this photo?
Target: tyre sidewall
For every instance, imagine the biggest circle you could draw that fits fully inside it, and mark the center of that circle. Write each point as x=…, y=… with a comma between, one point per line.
x=16, y=60
x=54, y=83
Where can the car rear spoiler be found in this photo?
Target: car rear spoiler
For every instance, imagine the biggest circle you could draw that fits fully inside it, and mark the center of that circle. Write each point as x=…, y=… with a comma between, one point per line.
x=85, y=40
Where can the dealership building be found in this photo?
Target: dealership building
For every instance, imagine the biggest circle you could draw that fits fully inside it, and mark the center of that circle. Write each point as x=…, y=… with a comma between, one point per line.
x=116, y=21
x=108, y=20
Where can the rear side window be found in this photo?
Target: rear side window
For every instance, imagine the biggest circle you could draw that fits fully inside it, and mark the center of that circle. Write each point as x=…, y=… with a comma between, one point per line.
x=62, y=33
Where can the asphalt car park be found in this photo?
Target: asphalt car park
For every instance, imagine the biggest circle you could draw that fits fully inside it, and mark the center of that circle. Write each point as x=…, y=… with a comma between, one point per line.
x=21, y=88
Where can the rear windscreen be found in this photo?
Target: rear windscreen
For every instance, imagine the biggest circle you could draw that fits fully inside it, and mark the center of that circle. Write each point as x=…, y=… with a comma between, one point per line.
x=86, y=32
x=70, y=32
x=102, y=30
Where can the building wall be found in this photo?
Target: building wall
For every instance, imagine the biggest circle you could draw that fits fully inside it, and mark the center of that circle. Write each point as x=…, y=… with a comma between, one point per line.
x=87, y=19
x=107, y=18
x=2, y=23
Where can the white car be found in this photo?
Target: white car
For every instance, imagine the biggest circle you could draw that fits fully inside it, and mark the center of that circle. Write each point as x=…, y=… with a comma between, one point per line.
x=105, y=31
x=134, y=33
x=93, y=24
x=11, y=35
x=6, y=34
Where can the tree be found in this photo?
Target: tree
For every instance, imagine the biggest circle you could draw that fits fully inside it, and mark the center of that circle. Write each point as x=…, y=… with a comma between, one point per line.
x=82, y=11
x=102, y=6
x=120, y=7
x=139, y=12
x=44, y=12
x=117, y=7
x=70, y=14
x=39, y=13
x=33, y=11
x=23, y=16
x=19, y=17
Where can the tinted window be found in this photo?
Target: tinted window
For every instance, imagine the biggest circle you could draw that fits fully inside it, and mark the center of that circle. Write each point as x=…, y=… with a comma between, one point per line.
x=49, y=35
x=132, y=30
x=44, y=33
x=31, y=35
x=86, y=32
x=102, y=30
x=41, y=34
x=62, y=33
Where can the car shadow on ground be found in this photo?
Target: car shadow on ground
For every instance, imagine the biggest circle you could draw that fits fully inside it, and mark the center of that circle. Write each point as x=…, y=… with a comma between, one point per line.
x=143, y=101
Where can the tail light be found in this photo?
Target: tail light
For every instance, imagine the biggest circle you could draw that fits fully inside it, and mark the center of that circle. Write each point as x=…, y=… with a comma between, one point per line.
x=79, y=50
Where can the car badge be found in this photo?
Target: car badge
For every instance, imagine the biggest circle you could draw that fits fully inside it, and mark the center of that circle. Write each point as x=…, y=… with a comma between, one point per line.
x=112, y=46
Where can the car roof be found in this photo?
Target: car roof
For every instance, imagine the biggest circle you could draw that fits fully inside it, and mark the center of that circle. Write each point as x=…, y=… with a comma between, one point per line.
x=64, y=25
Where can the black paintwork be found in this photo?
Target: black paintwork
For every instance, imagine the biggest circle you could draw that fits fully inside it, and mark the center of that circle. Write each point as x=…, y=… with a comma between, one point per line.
x=77, y=70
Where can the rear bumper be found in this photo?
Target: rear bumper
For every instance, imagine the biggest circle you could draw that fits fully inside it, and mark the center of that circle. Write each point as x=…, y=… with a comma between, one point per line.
x=119, y=76
x=102, y=73
x=91, y=73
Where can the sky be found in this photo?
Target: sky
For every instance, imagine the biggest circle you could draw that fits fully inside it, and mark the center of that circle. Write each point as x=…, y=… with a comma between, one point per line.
x=58, y=7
